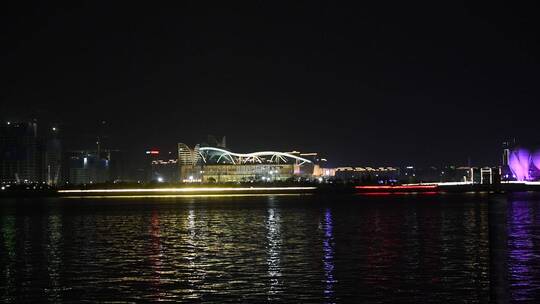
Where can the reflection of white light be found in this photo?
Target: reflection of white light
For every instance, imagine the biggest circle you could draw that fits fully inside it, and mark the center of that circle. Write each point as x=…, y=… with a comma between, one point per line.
x=160, y=179
x=274, y=250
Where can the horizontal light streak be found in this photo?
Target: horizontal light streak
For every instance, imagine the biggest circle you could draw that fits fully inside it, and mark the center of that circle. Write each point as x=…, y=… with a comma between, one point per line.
x=532, y=183
x=454, y=183
x=188, y=195
x=187, y=190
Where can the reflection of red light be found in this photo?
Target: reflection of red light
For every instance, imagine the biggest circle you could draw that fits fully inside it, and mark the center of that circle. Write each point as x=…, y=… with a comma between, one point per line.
x=153, y=152
x=377, y=193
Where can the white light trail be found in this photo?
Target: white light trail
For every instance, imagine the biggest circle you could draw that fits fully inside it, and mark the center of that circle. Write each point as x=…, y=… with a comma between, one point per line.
x=532, y=183
x=187, y=190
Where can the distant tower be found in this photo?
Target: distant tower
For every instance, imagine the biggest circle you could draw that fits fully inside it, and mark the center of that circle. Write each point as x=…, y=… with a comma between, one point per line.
x=53, y=157
x=507, y=147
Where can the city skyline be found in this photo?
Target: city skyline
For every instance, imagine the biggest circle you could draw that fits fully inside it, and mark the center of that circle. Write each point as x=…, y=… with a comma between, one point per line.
x=88, y=137
x=28, y=156
x=362, y=82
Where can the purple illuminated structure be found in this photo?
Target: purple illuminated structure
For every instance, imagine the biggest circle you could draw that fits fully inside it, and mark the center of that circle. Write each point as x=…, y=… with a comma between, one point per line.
x=536, y=159
x=522, y=163
x=519, y=161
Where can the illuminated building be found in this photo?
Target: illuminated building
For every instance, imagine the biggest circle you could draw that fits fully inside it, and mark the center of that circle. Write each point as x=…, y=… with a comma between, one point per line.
x=159, y=169
x=188, y=163
x=412, y=175
x=165, y=170
x=247, y=172
x=323, y=172
x=524, y=165
x=212, y=164
x=151, y=155
x=320, y=164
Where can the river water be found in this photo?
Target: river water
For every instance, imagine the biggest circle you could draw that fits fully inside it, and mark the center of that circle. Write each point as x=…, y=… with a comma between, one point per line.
x=451, y=248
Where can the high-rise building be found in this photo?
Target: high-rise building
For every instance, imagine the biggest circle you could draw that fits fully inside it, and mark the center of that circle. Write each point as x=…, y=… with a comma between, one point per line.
x=507, y=147
x=90, y=167
x=20, y=157
x=188, y=159
x=53, y=157
x=151, y=155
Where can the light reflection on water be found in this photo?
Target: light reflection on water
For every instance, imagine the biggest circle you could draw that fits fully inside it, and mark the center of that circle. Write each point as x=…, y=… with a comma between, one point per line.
x=274, y=252
x=328, y=256
x=524, y=250
x=270, y=249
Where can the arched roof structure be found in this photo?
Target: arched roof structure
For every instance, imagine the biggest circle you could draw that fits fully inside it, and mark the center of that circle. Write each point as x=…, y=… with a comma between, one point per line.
x=222, y=156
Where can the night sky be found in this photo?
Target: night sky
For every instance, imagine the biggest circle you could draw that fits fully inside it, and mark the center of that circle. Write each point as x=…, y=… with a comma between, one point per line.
x=372, y=84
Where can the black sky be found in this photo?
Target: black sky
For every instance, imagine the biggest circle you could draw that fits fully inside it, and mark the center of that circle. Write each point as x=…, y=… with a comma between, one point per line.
x=374, y=83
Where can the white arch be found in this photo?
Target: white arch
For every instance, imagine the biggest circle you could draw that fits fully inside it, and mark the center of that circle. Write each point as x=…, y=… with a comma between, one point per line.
x=256, y=154
x=226, y=154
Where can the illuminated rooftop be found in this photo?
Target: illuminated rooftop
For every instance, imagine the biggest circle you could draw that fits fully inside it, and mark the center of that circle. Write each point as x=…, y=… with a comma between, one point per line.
x=212, y=155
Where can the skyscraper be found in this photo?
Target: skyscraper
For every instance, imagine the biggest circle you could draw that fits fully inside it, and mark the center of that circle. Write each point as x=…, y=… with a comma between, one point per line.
x=20, y=157
x=53, y=157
